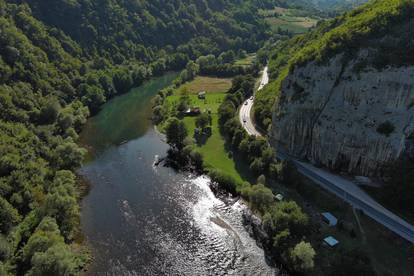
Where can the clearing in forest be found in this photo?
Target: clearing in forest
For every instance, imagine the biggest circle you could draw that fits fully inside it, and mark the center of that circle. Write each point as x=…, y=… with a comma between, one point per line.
x=292, y=20
x=208, y=84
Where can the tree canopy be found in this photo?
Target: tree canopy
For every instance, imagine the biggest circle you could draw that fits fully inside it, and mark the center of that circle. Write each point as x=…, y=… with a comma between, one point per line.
x=176, y=133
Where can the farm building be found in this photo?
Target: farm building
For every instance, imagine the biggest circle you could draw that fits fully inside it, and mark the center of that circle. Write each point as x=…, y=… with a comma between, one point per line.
x=194, y=111
x=202, y=95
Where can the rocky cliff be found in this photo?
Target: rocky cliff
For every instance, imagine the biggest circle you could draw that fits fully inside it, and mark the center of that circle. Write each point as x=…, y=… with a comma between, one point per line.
x=337, y=116
x=345, y=91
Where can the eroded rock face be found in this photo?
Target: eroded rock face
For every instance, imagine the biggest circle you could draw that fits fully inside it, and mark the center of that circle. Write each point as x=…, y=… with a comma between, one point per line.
x=254, y=226
x=330, y=114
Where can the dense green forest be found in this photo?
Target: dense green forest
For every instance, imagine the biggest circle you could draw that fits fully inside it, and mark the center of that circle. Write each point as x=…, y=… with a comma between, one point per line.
x=59, y=62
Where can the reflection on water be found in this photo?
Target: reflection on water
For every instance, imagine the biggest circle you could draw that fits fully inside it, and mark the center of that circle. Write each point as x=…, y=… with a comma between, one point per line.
x=146, y=220
x=123, y=118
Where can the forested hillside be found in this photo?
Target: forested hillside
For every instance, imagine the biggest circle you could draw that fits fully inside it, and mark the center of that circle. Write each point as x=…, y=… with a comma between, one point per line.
x=59, y=62
x=128, y=30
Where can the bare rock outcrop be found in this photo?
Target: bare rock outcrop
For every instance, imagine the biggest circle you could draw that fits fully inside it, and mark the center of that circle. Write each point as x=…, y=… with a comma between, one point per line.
x=346, y=119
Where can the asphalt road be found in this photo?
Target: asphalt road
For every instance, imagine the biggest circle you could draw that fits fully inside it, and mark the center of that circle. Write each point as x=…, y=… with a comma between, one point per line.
x=341, y=187
x=246, y=108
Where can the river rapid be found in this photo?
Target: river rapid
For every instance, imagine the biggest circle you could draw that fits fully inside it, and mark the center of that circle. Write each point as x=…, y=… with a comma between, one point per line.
x=140, y=219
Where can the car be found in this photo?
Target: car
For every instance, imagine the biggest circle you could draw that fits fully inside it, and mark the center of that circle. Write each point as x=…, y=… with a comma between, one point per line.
x=251, y=98
x=246, y=103
x=244, y=120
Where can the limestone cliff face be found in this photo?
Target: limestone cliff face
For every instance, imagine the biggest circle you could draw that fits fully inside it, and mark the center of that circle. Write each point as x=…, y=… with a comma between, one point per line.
x=330, y=114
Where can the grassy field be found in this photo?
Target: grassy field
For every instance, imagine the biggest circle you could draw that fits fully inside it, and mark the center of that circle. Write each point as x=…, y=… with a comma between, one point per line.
x=291, y=20
x=247, y=61
x=208, y=84
x=212, y=101
x=215, y=154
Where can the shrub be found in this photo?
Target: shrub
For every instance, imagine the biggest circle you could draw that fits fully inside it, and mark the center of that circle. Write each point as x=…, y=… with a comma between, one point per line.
x=261, y=179
x=274, y=170
x=290, y=174
x=286, y=215
x=257, y=166
x=5, y=248
x=197, y=159
x=203, y=120
x=176, y=133
x=386, y=128
x=224, y=180
x=259, y=196
x=9, y=216
x=302, y=257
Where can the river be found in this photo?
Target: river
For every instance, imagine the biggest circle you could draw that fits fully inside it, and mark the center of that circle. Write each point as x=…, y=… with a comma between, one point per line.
x=144, y=220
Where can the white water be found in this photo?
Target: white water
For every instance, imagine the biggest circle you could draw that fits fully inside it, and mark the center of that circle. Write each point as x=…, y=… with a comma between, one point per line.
x=221, y=223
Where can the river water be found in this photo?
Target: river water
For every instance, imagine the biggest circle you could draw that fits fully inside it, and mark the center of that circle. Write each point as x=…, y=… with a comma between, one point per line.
x=145, y=220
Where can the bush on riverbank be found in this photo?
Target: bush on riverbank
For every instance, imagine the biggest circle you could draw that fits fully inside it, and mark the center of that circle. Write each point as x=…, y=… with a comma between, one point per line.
x=176, y=133
x=224, y=181
x=260, y=197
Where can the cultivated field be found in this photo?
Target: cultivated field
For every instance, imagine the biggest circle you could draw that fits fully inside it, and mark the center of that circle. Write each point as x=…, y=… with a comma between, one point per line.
x=291, y=20
x=247, y=61
x=208, y=84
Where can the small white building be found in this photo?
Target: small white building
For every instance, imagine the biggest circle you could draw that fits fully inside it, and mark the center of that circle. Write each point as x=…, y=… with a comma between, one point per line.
x=331, y=241
x=279, y=197
x=330, y=219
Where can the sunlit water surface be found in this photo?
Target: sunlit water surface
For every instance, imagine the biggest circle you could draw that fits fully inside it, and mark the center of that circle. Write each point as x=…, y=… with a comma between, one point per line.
x=145, y=220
